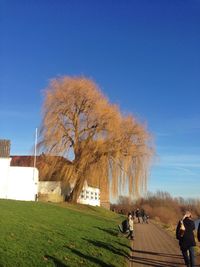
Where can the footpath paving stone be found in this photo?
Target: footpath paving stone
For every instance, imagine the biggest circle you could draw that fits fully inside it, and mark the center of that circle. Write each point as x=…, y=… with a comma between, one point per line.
x=155, y=247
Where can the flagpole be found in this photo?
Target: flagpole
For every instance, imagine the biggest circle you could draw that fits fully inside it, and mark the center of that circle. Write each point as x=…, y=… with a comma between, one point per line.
x=34, y=165
x=35, y=149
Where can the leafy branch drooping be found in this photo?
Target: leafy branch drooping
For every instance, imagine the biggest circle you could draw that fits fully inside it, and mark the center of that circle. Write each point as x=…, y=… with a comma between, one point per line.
x=100, y=145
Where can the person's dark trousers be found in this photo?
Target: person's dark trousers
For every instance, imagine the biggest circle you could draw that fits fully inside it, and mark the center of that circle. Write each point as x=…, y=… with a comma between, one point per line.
x=143, y=219
x=130, y=235
x=189, y=259
x=192, y=256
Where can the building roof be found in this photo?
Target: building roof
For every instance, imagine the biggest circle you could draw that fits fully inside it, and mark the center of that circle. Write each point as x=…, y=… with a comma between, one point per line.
x=43, y=163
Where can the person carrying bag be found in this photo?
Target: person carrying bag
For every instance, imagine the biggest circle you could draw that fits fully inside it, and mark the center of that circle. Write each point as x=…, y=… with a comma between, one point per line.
x=185, y=235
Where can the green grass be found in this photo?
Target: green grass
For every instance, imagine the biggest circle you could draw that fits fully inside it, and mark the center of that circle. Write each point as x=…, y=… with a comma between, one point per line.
x=34, y=234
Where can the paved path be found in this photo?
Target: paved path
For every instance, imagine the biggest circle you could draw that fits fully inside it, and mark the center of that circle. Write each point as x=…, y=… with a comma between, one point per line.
x=155, y=247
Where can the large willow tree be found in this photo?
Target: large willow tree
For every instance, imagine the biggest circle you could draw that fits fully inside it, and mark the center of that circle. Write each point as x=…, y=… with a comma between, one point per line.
x=100, y=145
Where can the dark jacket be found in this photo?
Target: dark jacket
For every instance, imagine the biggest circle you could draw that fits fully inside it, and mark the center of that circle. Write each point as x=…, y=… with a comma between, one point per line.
x=137, y=213
x=125, y=226
x=198, y=232
x=187, y=240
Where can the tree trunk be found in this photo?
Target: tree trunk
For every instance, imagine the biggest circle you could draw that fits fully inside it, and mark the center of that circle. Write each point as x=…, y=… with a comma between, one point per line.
x=74, y=195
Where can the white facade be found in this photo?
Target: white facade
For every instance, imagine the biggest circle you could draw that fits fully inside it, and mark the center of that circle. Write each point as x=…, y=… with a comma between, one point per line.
x=22, y=183
x=19, y=183
x=4, y=173
x=89, y=195
x=49, y=187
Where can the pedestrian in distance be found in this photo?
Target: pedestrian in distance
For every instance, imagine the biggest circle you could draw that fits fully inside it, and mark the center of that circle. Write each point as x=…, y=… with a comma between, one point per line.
x=185, y=235
x=147, y=218
x=144, y=216
x=137, y=214
x=131, y=229
x=133, y=214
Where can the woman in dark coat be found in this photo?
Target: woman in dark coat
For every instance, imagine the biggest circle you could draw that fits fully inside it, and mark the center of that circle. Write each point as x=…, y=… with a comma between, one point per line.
x=186, y=239
x=198, y=233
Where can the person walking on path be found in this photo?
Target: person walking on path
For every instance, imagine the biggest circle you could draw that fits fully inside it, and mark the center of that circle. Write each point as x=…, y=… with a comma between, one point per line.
x=130, y=223
x=143, y=215
x=137, y=214
x=154, y=247
x=185, y=235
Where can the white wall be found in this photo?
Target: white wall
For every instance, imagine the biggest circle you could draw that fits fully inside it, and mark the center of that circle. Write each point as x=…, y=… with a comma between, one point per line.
x=46, y=187
x=4, y=173
x=23, y=183
x=90, y=196
x=19, y=183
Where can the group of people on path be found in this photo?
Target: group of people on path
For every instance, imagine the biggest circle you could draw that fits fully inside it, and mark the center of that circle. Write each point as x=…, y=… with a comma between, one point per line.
x=141, y=216
x=127, y=226
x=185, y=234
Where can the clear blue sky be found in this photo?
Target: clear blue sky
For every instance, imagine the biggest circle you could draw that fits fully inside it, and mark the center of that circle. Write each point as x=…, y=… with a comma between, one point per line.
x=144, y=54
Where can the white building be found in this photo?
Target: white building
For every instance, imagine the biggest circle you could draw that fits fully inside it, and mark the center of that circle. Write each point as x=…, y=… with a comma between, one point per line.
x=50, y=191
x=22, y=183
x=19, y=183
x=89, y=195
x=55, y=191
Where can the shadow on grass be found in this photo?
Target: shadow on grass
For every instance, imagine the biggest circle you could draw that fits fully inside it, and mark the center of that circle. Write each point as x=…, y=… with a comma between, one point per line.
x=108, y=246
x=57, y=262
x=123, y=245
x=108, y=231
x=89, y=258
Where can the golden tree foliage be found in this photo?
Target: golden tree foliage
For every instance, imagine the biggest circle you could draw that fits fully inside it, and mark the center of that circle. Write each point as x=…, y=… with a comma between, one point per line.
x=100, y=145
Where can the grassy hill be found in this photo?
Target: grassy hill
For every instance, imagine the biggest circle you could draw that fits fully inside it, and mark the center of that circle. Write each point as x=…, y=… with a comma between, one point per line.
x=34, y=234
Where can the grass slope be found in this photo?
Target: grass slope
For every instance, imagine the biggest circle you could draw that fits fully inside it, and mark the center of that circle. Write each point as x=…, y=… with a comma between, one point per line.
x=38, y=234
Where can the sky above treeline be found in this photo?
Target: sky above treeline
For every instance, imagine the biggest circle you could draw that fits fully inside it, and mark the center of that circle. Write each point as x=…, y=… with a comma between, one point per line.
x=144, y=55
